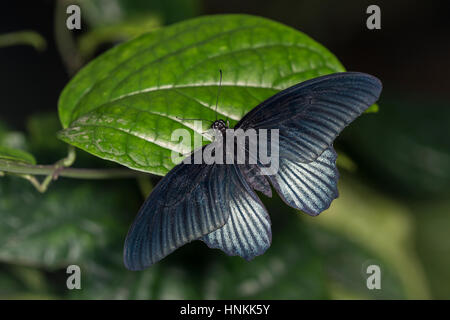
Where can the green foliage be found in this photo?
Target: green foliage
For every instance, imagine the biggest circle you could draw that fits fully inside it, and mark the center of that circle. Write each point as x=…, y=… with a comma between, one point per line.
x=41, y=138
x=13, y=147
x=90, y=41
x=20, y=282
x=433, y=244
x=99, y=14
x=51, y=230
x=412, y=151
x=378, y=230
x=292, y=268
x=10, y=154
x=31, y=38
x=409, y=158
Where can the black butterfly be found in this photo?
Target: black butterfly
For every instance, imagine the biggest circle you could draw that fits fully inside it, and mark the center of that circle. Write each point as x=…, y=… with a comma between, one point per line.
x=217, y=203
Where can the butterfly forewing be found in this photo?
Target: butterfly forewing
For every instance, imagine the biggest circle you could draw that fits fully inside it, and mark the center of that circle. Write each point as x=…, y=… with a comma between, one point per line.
x=311, y=114
x=187, y=203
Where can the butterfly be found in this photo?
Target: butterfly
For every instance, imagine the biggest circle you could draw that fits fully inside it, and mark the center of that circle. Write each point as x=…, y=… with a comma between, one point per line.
x=217, y=203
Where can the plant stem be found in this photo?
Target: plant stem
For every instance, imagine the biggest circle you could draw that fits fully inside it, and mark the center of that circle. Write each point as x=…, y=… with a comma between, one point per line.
x=23, y=37
x=77, y=173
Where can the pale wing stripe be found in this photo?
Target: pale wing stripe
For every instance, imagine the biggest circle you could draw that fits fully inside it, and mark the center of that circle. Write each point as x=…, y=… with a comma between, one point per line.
x=311, y=197
x=259, y=223
x=242, y=242
x=313, y=180
x=247, y=231
x=292, y=192
x=308, y=186
x=320, y=182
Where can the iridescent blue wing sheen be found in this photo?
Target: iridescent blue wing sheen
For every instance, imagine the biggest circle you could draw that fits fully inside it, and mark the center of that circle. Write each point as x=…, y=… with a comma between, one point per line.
x=191, y=201
x=311, y=114
x=310, y=187
x=247, y=232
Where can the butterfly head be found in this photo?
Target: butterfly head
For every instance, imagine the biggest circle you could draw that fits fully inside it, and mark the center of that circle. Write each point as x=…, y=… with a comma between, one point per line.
x=220, y=125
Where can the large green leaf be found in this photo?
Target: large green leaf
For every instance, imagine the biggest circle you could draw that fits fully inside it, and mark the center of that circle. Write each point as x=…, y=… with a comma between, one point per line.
x=125, y=104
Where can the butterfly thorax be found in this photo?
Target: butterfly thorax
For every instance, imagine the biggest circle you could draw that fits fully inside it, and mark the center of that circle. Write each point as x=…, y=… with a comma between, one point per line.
x=219, y=125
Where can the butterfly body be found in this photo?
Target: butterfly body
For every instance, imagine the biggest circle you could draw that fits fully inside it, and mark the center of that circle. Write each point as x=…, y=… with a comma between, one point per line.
x=220, y=125
x=217, y=203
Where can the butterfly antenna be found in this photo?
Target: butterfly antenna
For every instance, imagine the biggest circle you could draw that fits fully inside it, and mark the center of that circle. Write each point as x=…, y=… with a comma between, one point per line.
x=218, y=91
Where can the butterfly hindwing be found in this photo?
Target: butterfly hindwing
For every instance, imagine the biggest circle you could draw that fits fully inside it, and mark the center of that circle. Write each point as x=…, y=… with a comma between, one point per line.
x=310, y=187
x=247, y=232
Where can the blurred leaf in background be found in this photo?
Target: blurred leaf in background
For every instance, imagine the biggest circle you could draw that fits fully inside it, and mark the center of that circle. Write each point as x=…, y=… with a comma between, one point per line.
x=66, y=224
x=405, y=151
x=11, y=138
x=42, y=141
x=89, y=42
x=433, y=243
x=101, y=13
x=383, y=229
x=17, y=155
x=20, y=282
x=115, y=21
x=409, y=142
x=291, y=269
x=13, y=146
